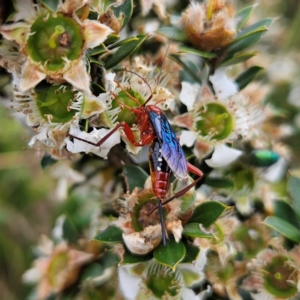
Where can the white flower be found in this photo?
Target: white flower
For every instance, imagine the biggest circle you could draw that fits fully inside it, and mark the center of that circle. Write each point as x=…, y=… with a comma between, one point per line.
x=37, y=66
x=189, y=93
x=223, y=156
x=223, y=86
x=276, y=172
x=95, y=136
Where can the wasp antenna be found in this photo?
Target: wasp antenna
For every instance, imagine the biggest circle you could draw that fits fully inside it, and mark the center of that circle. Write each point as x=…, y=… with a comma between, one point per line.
x=131, y=97
x=145, y=81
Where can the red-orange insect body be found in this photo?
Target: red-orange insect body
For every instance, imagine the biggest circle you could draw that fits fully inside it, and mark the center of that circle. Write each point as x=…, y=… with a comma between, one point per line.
x=159, y=170
x=165, y=152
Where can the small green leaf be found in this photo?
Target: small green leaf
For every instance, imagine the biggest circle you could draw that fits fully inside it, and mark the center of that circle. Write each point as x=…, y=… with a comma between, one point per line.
x=193, y=230
x=243, y=16
x=183, y=49
x=171, y=254
x=123, y=42
x=237, y=59
x=248, y=36
x=69, y=231
x=285, y=212
x=97, y=50
x=124, y=51
x=134, y=176
x=191, y=252
x=207, y=213
x=175, y=34
x=187, y=199
x=92, y=271
x=112, y=38
x=96, y=61
x=50, y=4
x=246, y=77
x=110, y=234
x=284, y=228
x=294, y=190
x=187, y=69
x=217, y=182
x=130, y=258
x=259, y=26
x=123, y=12
x=47, y=161
x=241, y=44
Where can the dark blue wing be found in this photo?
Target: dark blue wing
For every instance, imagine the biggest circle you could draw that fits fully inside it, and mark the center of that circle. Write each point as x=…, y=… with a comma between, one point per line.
x=170, y=147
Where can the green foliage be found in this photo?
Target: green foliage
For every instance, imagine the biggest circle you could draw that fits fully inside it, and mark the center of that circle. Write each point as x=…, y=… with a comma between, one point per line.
x=283, y=227
x=208, y=212
x=171, y=254
x=243, y=16
x=125, y=50
x=294, y=190
x=111, y=234
x=123, y=12
x=134, y=176
x=51, y=4
x=247, y=76
x=101, y=190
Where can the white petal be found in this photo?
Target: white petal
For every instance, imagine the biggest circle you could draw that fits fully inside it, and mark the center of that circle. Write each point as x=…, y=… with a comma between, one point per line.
x=188, y=294
x=206, y=293
x=57, y=231
x=187, y=138
x=31, y=276
x=95, y=33
x=31, y=76
x=189, y=93
x=92, y=105
x=201, y=260
x=276, y=172
x=223, y=156
x=25, y=11
x=129, y=284
x=151, y=26
x=110, y=84
x=146, y=6
x=42, y=137
x=77, y=75
x=244, y=205
x=136, y=243
x=191, y=274
x=80, y=146
x=223, y=86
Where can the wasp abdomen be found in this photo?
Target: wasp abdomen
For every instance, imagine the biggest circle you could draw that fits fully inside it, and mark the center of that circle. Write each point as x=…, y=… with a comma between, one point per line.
x=160, y=171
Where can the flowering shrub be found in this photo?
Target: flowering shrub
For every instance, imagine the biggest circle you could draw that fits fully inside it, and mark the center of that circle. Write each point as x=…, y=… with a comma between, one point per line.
x=84, y=74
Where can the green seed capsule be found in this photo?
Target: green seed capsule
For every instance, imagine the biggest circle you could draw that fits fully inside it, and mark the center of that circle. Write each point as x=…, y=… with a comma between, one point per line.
x=213, y=121
x=55, y=101
x=53, y=39
x=278, y=277
x=263, y=158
